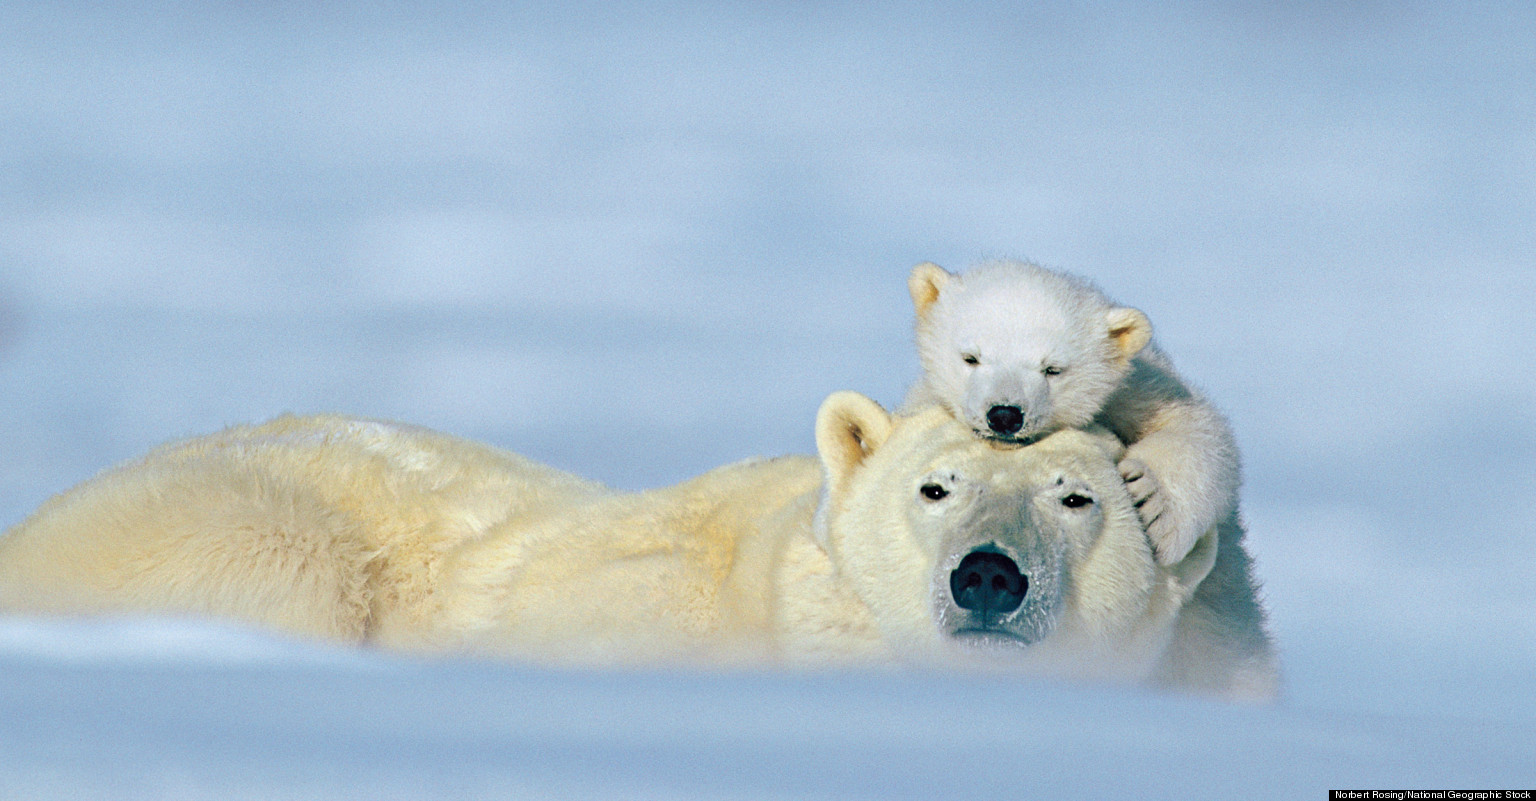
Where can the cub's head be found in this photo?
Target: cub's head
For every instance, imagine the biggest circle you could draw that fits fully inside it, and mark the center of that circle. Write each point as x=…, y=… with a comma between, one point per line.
x=1017, y=351
x=966, y=547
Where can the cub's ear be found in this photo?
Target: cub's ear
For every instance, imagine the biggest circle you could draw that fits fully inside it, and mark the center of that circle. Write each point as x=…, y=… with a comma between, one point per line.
x=925, y=283
x=1130, y=330
x=849, y=427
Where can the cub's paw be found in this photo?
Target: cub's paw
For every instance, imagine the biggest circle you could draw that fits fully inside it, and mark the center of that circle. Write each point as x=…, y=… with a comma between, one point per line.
x=1171, y=541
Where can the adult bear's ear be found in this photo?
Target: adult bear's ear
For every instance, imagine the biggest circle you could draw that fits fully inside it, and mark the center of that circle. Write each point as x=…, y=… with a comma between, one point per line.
x=1194, y=567
x=1130, y=330
x=849, y=427
x=925, y=283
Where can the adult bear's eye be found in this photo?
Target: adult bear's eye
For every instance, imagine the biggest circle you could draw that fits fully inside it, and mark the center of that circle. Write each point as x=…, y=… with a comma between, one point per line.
x=1076, y=501
x=970, y=358
x=933, y=492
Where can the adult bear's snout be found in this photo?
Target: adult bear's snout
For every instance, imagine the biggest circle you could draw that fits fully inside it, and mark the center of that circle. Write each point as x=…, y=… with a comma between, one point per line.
x=989, y=583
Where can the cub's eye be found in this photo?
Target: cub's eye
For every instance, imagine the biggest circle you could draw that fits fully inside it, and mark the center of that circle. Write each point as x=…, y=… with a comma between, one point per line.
x=1076, y=501
x=1051, y=369
x=970, y=358
x=933, y=492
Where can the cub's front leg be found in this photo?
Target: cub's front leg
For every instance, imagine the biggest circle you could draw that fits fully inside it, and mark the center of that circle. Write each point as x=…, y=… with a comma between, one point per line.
x=1183, y=478
x=1181, y=463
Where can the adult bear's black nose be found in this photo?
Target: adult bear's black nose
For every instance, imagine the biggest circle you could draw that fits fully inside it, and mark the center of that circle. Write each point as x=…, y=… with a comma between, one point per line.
x=1005, y=420
x=988, y=582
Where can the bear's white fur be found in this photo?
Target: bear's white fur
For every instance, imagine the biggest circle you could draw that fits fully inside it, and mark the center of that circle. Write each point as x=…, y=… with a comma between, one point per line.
x=363, y=531
x=1016, y=351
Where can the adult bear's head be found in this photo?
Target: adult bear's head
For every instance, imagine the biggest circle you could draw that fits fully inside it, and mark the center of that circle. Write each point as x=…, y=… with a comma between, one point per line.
x=965, y=547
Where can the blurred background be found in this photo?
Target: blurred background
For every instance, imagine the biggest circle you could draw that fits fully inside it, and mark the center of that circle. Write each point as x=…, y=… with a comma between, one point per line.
x=640, y=242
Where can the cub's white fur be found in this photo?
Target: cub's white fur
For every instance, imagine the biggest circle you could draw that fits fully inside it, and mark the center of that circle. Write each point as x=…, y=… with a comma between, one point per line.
x=1015, y=351
x=362, y=531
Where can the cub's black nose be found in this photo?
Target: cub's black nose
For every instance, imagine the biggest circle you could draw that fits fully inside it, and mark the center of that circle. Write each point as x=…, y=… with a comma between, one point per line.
x=1005, y=420
x=988, y=582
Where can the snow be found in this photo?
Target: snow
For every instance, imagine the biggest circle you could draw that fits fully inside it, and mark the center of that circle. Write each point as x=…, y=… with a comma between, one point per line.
x=640, y=242
x=209, y=713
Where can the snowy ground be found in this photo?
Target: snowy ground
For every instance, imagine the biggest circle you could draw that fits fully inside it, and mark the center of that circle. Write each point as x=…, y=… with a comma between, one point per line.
x=638, y=244
x=161, y=712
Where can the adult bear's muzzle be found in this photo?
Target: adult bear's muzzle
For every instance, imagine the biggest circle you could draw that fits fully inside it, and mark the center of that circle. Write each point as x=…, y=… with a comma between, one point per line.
x=987, y=582
x=1001, y=585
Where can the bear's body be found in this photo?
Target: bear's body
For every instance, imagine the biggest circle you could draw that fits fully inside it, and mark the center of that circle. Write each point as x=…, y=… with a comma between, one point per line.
x=370, y=532
x=321, y=526
x=1016, y=351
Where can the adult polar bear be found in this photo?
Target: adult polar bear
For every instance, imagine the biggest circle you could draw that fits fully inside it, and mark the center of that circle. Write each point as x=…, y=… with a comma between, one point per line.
x=911, y=541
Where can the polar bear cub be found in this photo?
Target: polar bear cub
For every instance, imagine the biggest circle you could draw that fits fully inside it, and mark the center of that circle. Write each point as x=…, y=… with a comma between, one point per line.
x=1016, y=351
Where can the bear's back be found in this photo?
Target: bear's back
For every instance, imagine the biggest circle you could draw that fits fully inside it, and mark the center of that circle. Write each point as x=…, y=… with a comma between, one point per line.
x=318, y=525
